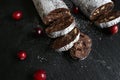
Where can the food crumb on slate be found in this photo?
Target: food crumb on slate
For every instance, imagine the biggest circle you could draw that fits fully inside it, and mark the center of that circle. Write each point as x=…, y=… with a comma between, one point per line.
x=100, y=38
x=41, y=59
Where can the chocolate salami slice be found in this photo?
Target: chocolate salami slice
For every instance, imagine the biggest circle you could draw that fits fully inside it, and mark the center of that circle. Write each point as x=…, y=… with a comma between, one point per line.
x=65, y=42
x=60, y=27
x=56, y=14
x=94, y=8
x=108, y=20
x=51, y=10
x=81, y=48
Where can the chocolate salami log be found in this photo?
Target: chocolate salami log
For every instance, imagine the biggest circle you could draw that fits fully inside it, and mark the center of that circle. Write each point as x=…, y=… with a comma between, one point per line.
x=108, y=20
x=81, y=48
x=65, y=42
x=51, y=10
x=61, y=27
x=94, y=8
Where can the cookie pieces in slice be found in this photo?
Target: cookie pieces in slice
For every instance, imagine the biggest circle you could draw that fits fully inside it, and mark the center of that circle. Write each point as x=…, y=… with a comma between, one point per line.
x=61, y=27
x=55, y=15
x=108, y=20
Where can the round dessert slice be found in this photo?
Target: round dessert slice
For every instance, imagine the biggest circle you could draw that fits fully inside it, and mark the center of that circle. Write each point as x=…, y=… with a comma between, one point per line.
x=60, y=27
x=108, y=20
x=65, y=42
x=81, y=48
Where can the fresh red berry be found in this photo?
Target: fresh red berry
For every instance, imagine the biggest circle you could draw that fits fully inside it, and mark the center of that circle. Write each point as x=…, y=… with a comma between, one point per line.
x=38, y=31
x=75, y=10
x=22, y=55
x=113, y=29
x=17, y=15
x=40, y=75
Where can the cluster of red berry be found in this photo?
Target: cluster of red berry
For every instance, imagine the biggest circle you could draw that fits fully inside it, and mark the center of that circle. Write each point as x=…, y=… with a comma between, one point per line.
x=22, y=55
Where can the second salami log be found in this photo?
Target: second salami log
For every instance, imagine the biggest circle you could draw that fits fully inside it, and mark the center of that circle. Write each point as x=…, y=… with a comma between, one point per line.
x=94, y=8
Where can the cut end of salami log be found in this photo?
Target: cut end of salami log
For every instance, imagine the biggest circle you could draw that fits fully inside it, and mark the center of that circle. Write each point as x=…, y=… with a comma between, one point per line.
x=61, y=27
x=94, y=8
x=108, y=20
x=104, y=9
x=67, y=41
x=55, y=15
x=81, y=48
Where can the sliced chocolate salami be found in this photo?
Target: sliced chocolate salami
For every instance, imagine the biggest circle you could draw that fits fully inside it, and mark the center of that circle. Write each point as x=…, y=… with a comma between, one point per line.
x=55, y=15
x=61, y=27
x=94, y=8
x=81, y=48
x=65, y=42
x=108, y=20
x=51, y=10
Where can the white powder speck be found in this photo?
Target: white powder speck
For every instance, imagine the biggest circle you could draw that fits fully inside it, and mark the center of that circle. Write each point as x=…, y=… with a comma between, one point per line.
x=100, y=38
x=41, y=59
x=85, y=66
x=108, y=67
x=82, y=66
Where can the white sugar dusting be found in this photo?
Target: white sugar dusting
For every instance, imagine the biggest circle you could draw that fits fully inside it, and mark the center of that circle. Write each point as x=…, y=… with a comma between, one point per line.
x=83, y=66
x=104, y=64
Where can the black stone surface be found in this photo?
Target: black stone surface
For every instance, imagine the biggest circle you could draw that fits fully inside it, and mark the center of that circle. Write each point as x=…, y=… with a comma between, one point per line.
x=103, y=63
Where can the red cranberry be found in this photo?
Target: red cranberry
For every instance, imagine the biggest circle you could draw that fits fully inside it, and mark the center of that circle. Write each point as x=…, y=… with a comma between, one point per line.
x=17, y=15
x=75, y=10
x=40, y=75
x=22, y=55
x=38, y=31
x=113, y=29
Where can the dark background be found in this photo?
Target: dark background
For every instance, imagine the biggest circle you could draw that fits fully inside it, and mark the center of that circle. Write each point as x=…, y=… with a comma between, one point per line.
x=103, y=63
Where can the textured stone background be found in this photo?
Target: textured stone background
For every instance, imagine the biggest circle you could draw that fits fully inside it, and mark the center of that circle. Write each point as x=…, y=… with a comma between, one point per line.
x=102, y=64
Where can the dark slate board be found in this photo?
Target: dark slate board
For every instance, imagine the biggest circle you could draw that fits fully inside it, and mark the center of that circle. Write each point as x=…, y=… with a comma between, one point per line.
x=103, y=62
